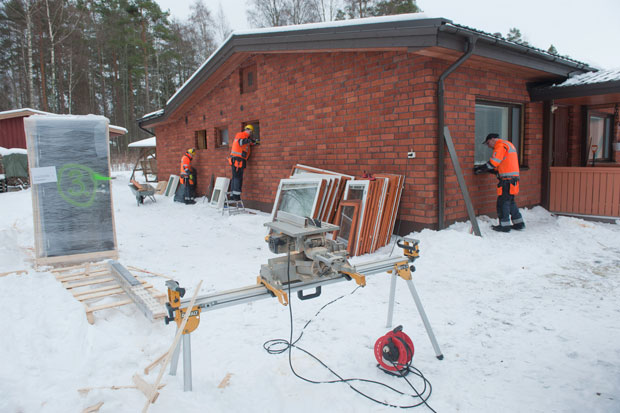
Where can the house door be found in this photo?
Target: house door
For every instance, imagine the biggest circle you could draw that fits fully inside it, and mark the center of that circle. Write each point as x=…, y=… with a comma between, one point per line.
x=560, y=136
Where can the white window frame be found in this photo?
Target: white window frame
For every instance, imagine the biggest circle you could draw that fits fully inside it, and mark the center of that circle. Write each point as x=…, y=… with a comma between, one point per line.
x=220, y=188
x=171, y=188
x=298, y=183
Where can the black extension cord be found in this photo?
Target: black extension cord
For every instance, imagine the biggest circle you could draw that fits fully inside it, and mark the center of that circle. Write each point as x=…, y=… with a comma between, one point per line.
x=279, y=346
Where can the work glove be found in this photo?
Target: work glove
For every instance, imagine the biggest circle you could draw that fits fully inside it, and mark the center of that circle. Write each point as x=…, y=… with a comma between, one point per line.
x=191, y=177
x=480, y=169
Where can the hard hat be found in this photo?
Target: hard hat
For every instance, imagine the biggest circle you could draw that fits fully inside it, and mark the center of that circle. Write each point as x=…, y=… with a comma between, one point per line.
x=250, y=127
x=191, y=151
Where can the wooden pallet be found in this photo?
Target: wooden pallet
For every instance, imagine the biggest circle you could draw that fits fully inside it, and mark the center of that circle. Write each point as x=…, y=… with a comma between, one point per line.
x=97, y=287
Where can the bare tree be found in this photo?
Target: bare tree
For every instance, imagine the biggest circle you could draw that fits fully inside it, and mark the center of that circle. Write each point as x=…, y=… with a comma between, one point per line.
x=267, y=13
x=326, y=9
x=23, y=25
x=301, y=11
x=222, y=27
x=203, y=26
x=55, y=26
x=358, y=8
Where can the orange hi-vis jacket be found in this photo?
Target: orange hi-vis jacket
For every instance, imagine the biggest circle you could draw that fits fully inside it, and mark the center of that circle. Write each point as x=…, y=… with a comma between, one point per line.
x=506, y=160
x=240, y=151
x=186, y=168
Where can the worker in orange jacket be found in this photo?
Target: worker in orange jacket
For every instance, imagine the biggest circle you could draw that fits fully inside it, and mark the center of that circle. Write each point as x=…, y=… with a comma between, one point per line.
x=505, y=163
x=239, y=154
x=188, y=177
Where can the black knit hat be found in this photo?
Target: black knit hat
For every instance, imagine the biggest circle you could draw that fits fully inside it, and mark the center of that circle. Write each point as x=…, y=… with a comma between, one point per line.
x=491, y=136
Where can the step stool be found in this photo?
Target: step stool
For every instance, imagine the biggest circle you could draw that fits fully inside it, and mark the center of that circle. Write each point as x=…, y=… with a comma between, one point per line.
x=231, y=206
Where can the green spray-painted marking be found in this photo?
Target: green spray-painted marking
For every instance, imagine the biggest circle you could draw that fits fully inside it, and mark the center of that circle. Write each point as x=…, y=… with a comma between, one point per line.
x=99, y=177
x=77, y=184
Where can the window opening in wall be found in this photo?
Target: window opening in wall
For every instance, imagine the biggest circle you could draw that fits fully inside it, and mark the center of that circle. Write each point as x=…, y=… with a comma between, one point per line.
x=221, y=136
x=256, y=125
x=505, y=119
x=599, y=136
x=248, y=80
x=201, y=139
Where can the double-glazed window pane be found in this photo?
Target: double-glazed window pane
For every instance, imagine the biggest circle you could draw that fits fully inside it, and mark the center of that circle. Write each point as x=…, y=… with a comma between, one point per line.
x=298, y=200
x=503, y=119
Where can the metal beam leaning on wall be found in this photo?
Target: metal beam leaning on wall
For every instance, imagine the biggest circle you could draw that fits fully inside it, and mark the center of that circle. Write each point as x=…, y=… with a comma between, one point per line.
x=461, y=180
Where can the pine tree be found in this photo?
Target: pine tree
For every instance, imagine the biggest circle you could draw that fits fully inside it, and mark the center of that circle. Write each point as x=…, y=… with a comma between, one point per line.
x=392, y=7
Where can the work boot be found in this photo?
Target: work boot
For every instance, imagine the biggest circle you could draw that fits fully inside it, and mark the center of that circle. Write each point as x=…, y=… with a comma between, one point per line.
x=500, y=228
x=519, y=226
x=189, y=202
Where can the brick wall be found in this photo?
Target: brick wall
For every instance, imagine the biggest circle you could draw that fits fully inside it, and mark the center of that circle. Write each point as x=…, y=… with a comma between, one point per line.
x=354, y=112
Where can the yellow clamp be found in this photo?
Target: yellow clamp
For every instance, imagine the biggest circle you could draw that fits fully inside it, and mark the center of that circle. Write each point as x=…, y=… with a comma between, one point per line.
x=281, y=295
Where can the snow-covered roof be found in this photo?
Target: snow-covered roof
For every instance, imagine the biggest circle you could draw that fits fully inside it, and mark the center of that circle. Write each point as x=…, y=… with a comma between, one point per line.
x=299, y=27
x=14, y=113
x=376, y=32
x=5, y=151
x=591, y=78
x=144, y=143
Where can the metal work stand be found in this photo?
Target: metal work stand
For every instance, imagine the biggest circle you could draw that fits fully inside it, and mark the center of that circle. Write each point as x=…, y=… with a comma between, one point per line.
x=243, y=295
x=187, y=362
x=418, y=303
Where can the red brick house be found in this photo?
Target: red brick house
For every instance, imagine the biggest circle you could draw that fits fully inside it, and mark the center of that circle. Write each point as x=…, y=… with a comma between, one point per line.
x=360, y=95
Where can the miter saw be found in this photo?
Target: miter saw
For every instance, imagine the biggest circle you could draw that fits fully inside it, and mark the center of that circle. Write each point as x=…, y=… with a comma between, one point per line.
x=310, y=255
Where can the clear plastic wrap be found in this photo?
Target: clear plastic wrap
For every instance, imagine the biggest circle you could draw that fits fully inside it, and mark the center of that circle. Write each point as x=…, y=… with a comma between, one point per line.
x=71, y=188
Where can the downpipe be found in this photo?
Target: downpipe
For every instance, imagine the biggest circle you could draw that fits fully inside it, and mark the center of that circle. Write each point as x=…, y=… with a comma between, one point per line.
x=471, y=44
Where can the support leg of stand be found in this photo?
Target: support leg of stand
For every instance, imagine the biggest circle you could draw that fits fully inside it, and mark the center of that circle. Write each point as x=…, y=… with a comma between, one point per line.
x=427, y=325
x=174, y=362
x=187, y=363
x=391, y=302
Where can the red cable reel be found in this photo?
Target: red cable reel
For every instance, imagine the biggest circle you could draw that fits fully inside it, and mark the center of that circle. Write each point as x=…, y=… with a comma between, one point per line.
x=394, y=351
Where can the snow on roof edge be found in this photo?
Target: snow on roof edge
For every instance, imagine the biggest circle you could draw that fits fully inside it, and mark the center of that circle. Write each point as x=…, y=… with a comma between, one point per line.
x=297, y=27
x=590, y=78
x=36, y=112
x=144, y=143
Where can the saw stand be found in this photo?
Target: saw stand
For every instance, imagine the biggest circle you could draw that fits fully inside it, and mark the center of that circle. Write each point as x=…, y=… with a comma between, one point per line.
x=398, y=267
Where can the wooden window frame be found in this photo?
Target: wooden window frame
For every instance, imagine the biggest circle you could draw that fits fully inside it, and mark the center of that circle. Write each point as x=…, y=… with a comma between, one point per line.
x=350, y=242
x=218, y=136
x=200, y=136
x=248, y=79
x=365, y=187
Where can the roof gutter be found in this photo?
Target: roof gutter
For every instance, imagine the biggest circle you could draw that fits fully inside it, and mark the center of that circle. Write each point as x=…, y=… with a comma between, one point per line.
x=471, y=44
x=146, y=130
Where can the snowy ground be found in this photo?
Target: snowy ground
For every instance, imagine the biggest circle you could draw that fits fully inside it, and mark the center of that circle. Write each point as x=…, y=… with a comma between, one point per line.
x=527, y=321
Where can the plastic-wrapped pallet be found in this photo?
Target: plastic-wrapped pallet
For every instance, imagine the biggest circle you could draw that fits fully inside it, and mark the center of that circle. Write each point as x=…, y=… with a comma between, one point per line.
x=71, y=189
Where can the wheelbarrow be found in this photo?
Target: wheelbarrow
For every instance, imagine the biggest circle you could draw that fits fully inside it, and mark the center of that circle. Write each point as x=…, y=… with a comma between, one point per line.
x=142, y=191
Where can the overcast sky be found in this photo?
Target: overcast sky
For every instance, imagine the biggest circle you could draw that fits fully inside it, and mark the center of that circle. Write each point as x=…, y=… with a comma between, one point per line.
x=586, y=30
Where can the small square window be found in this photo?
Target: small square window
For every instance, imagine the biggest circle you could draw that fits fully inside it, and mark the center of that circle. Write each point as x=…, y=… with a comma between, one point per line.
x=221, y=136
x=256, y=125
x=201, y=139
